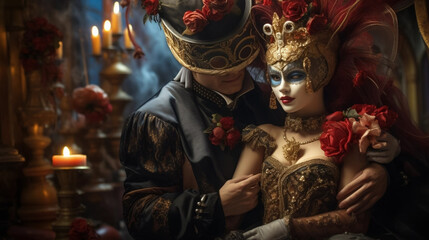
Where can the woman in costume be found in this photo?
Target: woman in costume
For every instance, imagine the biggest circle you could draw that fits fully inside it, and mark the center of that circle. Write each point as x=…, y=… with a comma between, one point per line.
x=326, y=66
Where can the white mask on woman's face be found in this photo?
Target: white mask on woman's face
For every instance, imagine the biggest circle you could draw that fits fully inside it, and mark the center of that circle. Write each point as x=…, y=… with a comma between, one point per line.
x=289, y=86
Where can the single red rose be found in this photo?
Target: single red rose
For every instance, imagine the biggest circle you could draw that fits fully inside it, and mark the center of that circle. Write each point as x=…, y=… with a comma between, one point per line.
x=336, y=139
x=316, y=24
x=364, y=108
x=195, y=21
x=294, y=9
x=335, y=116
x=217, y=136
x=151, y=6
x=216, y=9
x=386, y=117
x=232, y=138
x=218, y=133
x=227, y=123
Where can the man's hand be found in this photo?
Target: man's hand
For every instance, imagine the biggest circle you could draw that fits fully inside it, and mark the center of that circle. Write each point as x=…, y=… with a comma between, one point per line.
x=364, y=190
x=240, y=195
x=385, y=150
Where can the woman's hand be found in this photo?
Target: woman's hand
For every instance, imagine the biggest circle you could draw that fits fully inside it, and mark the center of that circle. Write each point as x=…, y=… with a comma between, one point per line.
x=240, y=195
x=274, y=230
x=368, y=186
x=385, y=150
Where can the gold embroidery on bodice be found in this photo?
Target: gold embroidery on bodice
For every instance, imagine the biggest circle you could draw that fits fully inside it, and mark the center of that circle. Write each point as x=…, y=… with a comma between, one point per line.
x=299, y=190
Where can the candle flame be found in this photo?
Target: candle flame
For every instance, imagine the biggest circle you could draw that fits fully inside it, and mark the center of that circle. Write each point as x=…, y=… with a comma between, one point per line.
x=94, y=31
x=131, y=27
x=107, y=25
x=116, y=8
x=66, y=151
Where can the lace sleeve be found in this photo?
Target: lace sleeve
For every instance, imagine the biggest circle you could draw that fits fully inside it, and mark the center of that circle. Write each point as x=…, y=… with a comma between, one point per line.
x=256, y=138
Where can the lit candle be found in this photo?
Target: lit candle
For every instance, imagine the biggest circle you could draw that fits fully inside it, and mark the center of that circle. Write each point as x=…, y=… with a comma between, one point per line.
x=107, y=34
x=60, y=50
x=116, y=19
x=68, y=160
x=96, y=45
x=127, y=41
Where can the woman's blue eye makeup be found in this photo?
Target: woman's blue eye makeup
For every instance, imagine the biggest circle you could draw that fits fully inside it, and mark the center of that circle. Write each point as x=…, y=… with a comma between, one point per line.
x=275, y=79
x=296, y=76
x=275, y=76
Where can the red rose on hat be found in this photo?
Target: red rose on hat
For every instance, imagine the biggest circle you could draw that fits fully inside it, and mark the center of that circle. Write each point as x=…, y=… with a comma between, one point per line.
x=151, y=6
x=294, y=9
x=216, y=9
x=195, y=21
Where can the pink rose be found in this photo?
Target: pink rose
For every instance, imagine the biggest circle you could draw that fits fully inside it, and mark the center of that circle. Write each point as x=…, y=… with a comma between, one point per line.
x=92, y=102
x=227, y=123
x=316, y=24
x=195, y=21
x=294, y=9
x=367, y=131
x=336, y=139
x=216, y=9
x=232, y=138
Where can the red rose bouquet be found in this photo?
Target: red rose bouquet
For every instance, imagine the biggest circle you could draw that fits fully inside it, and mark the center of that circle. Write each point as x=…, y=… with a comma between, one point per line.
x=361, y=124
x=39, y=43
x=92, y=102
x=222, y=132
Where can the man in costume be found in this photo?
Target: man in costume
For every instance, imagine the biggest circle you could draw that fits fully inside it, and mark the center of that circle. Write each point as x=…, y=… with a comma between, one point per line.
x=180, y=148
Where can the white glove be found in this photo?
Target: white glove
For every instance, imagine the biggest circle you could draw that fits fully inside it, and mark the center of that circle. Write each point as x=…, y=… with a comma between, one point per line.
x=184, y=76
x=385, y=150
x=274, y=230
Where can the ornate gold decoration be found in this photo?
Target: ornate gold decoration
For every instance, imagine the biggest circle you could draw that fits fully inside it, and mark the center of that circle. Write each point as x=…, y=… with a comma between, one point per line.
x=220, y=57
x=69, y=200
x=38, y=198
x=304, y=189
x=292, y=147
x=115, y=74
x=292, y=43
x=273, y=101
x=304, y=124
x=422, y=14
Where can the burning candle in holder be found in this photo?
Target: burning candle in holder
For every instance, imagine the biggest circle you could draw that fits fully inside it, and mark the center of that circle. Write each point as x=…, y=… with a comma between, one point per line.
x=66, y=167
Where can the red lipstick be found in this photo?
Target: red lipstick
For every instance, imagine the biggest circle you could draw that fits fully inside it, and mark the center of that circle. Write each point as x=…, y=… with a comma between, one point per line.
x=286, y=99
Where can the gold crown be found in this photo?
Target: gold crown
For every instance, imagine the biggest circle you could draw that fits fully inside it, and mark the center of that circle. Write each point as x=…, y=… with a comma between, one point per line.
x=289, y=42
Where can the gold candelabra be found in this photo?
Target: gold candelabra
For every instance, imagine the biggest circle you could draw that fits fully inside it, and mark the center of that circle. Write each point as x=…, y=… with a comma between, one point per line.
x=69, y=200
x=38, y=197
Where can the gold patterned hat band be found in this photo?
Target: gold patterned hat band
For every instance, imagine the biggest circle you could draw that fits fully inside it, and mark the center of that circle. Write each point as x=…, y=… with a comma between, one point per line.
x=223, y=46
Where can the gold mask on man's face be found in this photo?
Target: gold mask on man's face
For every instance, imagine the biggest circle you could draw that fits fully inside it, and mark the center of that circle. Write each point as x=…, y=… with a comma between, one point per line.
x=290, y=43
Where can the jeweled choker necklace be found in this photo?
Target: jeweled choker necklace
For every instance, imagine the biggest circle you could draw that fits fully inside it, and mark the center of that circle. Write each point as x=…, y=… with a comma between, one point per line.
x=298, y=124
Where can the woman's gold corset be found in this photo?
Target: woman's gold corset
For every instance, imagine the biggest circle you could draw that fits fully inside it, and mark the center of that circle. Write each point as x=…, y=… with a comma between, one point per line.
x=303, y=189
